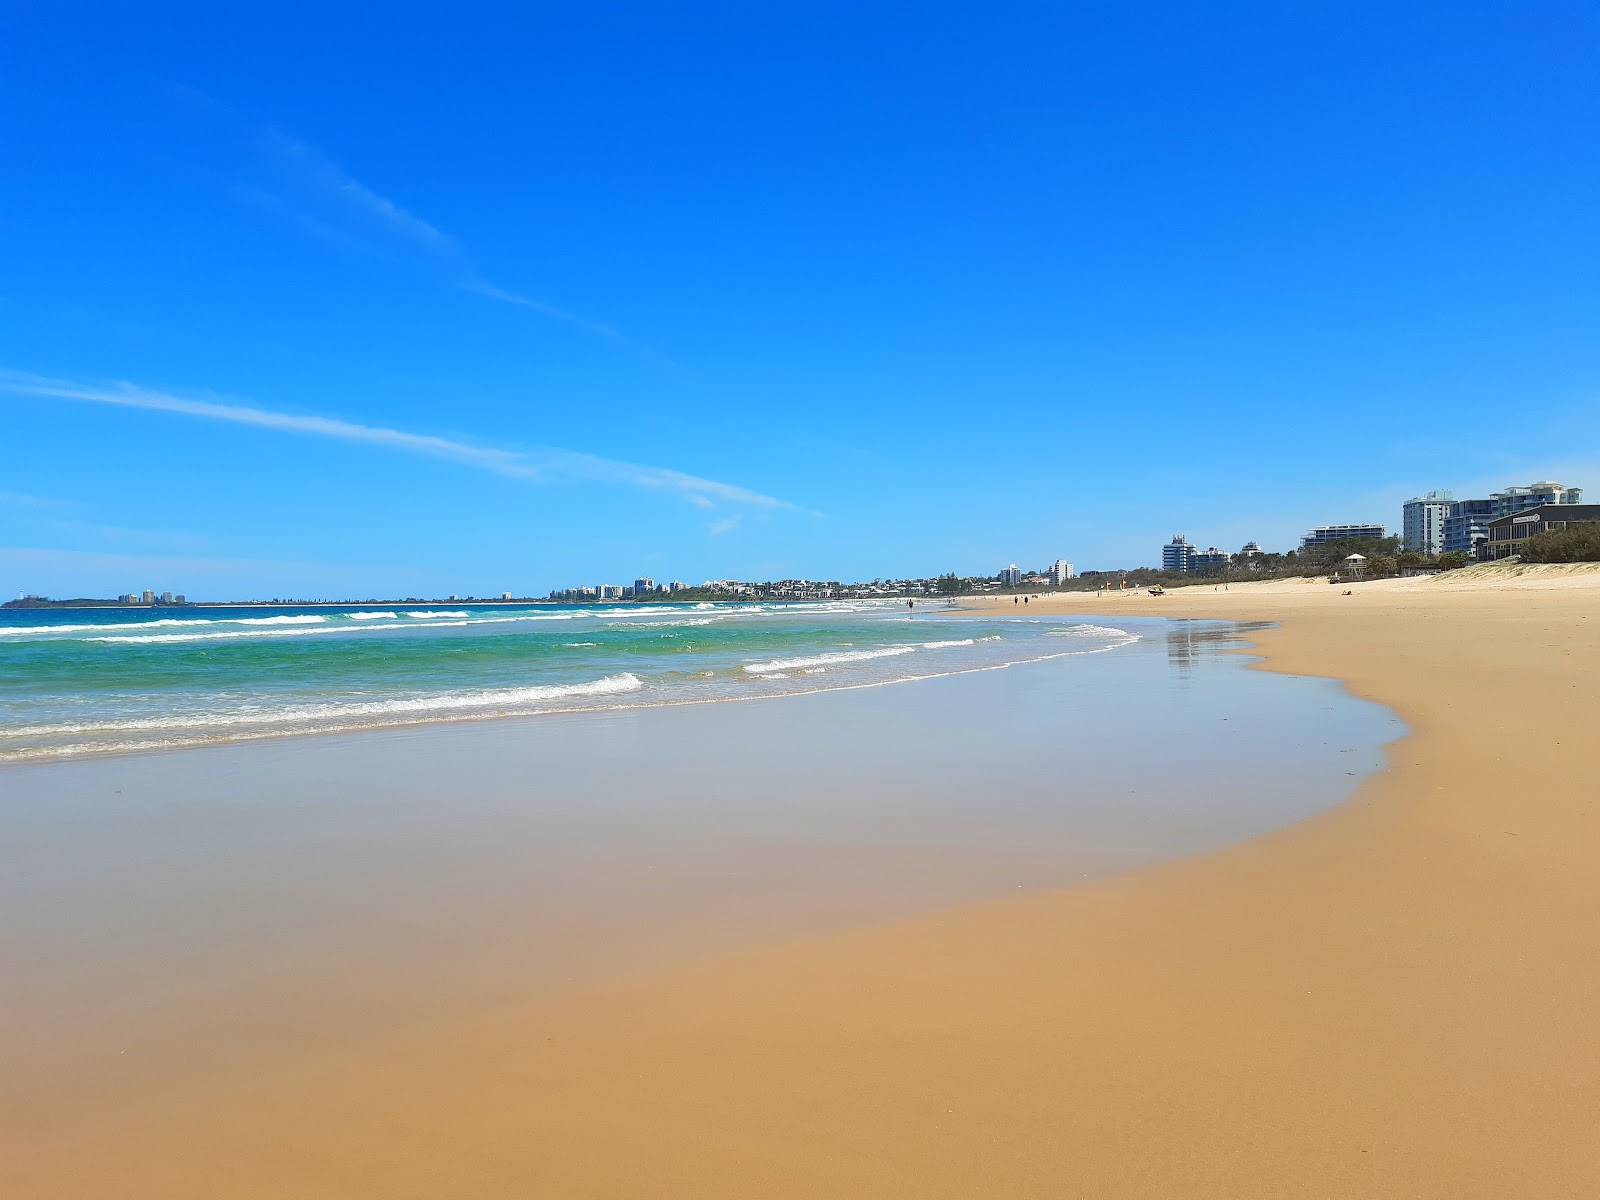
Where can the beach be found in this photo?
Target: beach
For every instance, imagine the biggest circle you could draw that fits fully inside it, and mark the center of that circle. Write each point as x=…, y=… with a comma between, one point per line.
x=1392, y=996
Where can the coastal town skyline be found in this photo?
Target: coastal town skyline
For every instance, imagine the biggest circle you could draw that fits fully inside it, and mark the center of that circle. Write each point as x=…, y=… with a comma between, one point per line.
x=1431, y=525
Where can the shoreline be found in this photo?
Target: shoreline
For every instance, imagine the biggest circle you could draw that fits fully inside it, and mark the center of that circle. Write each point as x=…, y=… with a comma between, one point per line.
x=1391, y=997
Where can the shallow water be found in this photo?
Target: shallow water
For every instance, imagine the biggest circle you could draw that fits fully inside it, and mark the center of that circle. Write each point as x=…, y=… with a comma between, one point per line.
x=84, y=681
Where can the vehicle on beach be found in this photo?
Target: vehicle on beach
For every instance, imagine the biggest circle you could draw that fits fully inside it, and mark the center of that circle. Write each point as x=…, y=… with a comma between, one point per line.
x=1158, y=590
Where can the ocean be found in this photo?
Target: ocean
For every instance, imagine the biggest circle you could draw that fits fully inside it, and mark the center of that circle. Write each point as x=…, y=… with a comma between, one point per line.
x=75, y=682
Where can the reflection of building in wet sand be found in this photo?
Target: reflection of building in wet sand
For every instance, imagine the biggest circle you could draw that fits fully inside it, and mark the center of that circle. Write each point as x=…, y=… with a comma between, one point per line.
x=1190, y=641
x=1181, y=644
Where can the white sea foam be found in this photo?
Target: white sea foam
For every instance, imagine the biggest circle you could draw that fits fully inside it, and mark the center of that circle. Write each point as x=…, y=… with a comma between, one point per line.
x=825, y=660
x=422, y=616
x=486, y=700
x=166, y=623
x=684, y=622
x=1123, y=636
x=157, y=639
x=300, y=630
x=528, y=617
x=374, y=616
x=993, y=637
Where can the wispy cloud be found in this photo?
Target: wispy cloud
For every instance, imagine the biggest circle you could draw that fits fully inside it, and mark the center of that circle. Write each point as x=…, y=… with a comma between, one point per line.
x=347, y=201
x=726, y=525
x=541, y=464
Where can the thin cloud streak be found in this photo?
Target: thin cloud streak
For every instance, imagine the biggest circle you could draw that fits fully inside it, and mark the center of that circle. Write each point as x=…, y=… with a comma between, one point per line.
x=543, y=465
x=318, y=174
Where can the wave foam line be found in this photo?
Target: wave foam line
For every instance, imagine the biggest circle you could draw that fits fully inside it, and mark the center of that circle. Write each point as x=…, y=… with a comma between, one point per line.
x=165, y=623
x=439, y=702
x=825, y=660
x=1095, y=631
x=993, y=637
x=682, y=623
x=160, y=639
x=164, y=638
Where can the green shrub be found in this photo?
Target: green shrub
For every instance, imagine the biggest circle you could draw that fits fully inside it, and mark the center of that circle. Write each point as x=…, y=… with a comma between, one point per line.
x=1575, y=543
x=1454, y=559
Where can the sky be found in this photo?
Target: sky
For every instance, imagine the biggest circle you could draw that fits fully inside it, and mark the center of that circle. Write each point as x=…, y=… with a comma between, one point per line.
x=360, y=299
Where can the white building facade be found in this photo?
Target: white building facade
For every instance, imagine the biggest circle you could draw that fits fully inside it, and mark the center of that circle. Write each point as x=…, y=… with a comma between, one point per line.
x=1178, y=554
x=1422, y=529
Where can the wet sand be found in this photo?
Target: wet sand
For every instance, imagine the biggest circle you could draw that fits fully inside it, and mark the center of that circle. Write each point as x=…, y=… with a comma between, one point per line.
x=1393, y=997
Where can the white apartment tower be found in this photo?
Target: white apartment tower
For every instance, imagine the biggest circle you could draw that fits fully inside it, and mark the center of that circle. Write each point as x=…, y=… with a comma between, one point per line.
x=1061, y=572
x=1177, y=555
x=1423, y=527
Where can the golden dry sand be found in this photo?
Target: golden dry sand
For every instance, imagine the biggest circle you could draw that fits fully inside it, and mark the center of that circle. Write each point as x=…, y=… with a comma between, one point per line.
x=1397, y=998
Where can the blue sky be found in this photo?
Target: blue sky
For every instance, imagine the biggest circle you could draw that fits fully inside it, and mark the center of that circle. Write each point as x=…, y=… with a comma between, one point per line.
x=363, y=299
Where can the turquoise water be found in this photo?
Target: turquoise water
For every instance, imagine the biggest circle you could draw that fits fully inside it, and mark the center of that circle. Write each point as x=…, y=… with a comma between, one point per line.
x=84, y=681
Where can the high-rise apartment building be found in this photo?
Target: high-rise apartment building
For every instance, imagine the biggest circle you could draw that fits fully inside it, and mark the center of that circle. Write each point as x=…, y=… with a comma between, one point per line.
x=1177, y=555
x=1209, y=560
x=1061, y=571
x=1422, y=528
x=1011, y=576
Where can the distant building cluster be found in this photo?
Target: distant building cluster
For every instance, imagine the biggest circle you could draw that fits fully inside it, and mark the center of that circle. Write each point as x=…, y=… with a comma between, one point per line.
x=1012, y=576
x=1432, y=525
x=641, y=587
x=1440, y=524
x=149, y=597
x=1180, y=556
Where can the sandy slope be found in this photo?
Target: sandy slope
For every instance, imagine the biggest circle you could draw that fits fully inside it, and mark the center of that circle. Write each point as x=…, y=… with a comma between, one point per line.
x=1400, y=997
